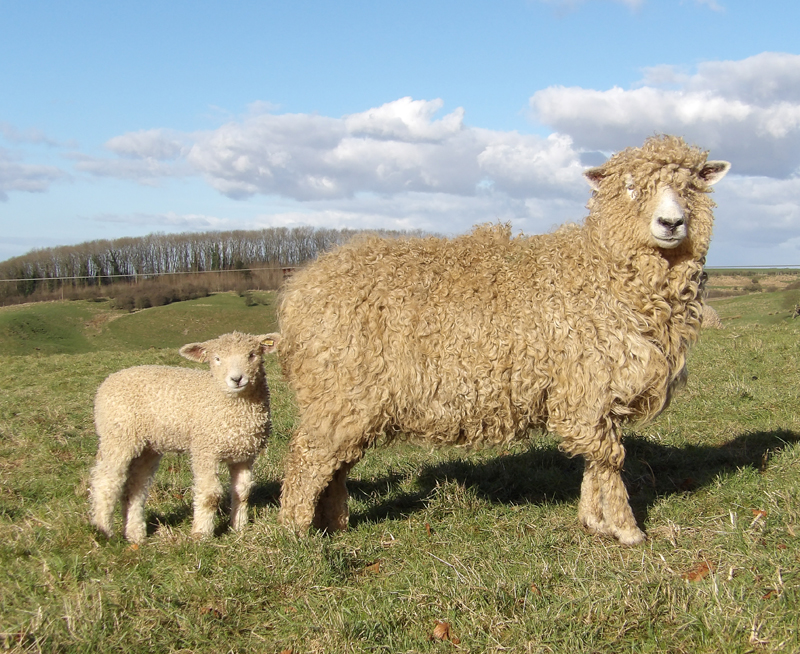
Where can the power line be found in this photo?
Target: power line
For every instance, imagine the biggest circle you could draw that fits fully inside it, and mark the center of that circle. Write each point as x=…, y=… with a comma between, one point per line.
x=283, y=269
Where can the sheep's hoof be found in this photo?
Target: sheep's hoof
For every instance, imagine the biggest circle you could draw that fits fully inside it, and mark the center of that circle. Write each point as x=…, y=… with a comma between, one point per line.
x=630, y=536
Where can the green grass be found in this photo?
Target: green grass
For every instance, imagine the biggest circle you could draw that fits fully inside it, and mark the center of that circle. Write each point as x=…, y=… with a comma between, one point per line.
x=84, y=326
x=486, y=541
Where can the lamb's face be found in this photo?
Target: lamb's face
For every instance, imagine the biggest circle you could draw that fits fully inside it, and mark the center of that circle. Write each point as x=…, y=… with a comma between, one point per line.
x=235, y=359
x=236, y=370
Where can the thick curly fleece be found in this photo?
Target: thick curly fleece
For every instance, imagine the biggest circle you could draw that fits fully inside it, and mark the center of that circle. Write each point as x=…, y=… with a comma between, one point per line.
x=477, y=339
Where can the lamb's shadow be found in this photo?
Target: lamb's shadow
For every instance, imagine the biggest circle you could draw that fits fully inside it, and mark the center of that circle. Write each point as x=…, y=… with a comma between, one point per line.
x=540, y=476
x=263, y=494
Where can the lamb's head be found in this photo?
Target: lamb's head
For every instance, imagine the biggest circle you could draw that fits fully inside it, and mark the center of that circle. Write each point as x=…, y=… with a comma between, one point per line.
x=235, y=359
x=656, y=197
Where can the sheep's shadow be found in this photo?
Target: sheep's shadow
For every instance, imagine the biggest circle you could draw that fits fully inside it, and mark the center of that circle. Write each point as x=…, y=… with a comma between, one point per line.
x=539, y=476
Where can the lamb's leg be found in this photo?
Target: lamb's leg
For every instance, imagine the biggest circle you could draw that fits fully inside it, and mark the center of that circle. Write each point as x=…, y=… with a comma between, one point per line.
x=140, y=475
x=108, y=480
x=312, y=470
x=241, y=485
x=207, y=495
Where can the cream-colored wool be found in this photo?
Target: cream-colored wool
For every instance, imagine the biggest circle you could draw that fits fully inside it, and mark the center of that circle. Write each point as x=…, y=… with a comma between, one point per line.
x=221, y=415
x=475, y=340
x=710, y=318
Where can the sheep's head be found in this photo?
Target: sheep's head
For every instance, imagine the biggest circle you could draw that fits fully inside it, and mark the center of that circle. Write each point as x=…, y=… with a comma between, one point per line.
x=662, y=187
x=235, y=359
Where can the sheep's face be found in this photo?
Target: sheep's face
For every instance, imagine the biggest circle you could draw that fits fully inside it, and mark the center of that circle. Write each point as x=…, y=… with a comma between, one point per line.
x=235, y=359
x=661, y=193
x=668, y=218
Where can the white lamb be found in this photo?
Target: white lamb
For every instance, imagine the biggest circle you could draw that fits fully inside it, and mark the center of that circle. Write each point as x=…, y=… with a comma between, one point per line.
x=222, y=415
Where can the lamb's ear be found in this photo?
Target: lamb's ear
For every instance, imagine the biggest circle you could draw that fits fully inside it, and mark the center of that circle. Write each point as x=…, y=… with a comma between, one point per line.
x=269, y=342
x=594, y=176
x=195, y=352
x=714, y=171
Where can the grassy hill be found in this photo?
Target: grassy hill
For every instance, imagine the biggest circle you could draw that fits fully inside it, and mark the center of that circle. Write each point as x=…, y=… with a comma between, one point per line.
x=72, y=327
x=487, y=542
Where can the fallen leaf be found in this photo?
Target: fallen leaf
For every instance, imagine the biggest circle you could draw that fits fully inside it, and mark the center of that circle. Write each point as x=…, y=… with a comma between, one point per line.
x=535, y=589
x=442, y=632
x=286, y=651
x=213, y=611
x=700, y=572
x=428, y=528
x=374, y=568
x=134, y=546
x=781, y=546
x=758, y=513
x=770, y=593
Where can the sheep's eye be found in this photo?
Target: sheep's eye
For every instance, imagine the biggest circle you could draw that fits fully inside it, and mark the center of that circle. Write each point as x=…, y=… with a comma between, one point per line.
x=632, y=192
x=217, y=360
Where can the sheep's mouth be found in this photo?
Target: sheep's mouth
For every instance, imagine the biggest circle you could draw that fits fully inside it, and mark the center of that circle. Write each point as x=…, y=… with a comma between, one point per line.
x=668, y=243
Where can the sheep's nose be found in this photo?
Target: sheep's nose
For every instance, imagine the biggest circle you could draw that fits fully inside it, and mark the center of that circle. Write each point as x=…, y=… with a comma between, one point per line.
x=671, y=223
x=236, y=379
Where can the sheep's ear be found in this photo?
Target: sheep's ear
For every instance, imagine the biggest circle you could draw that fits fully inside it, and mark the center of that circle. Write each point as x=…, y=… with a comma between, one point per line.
x=194, y=352
x=269, y=342
x=594, y=176
x=714, y=171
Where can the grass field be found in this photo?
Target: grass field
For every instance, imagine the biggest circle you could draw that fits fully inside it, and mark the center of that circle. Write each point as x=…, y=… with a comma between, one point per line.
x=448, y=551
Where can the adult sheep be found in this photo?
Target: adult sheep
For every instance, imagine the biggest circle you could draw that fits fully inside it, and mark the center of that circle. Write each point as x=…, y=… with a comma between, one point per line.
x=217, y=415
x=475, y=340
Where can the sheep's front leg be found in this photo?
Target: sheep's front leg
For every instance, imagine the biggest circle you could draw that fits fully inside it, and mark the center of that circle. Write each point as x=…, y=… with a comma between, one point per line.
x=140, y=476
x=604, y=507
x=241, y=485
x=207, y=495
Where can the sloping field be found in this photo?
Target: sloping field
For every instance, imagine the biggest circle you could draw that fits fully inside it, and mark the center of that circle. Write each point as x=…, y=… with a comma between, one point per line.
x=448, y=551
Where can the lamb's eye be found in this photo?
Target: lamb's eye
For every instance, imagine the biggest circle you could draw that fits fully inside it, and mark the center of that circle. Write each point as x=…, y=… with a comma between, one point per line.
x=217, y=360
x=632, y=192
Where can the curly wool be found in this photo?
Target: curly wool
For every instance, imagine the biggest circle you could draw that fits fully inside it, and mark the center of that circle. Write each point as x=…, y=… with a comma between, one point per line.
x=476, y=339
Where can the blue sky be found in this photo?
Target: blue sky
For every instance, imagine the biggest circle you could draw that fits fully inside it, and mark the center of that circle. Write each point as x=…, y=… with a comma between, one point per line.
x=125, y=119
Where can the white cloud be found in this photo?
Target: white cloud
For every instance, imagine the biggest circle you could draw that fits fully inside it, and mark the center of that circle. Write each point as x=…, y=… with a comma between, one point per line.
x=746, y=111
x=399, y=147
x=158, y=144
x=168, y=219
x=18, y=176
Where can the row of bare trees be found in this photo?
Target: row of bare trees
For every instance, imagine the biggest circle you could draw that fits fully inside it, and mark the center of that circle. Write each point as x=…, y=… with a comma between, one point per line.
x=101, y=263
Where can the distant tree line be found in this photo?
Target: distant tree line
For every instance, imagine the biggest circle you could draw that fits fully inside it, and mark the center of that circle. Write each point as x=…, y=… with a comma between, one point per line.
x=48, y=272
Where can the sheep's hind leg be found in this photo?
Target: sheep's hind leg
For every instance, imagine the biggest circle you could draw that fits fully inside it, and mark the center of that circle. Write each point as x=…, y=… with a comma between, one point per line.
x=314, y=487
x=241, y=485
x=140, y=475
x=332, y=513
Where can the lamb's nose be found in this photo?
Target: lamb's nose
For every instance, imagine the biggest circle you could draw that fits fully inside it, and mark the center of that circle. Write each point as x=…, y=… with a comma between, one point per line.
x=236, y=380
